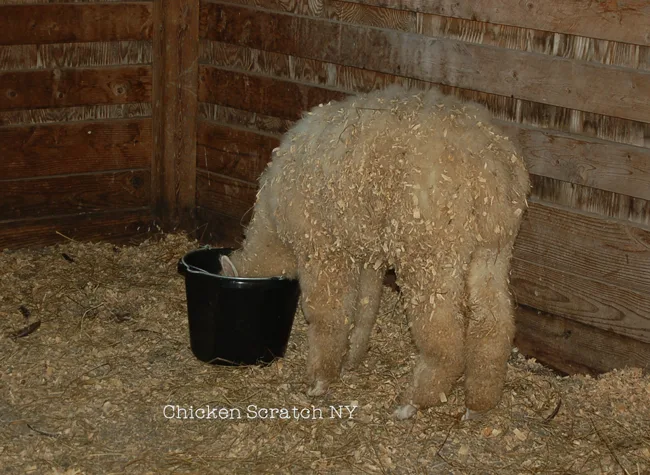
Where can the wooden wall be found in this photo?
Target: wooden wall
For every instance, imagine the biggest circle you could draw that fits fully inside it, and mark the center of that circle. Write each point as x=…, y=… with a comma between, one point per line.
x=569, y=79
x=75, y=121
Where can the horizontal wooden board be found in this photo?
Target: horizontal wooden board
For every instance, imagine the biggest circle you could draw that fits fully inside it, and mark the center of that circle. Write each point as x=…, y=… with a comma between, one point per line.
x=67, y=23
x=75, y=114
x=623, y=20
x=82, y=147
x=123, y=226
x=236, y=153
x=74, y=194
x=577, y=85
x=604, y=250
x=353, y=79
x=548, y=42
x=73, y=87
x=242, y=118
x=604, y=203
x=579, y=297
x=75, y=55
x=282, y=99
x=224, y=195
x=588, y=162
x=217, y=229
x=574, y=348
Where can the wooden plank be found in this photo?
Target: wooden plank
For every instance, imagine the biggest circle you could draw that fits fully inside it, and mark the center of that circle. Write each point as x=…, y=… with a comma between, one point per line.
x=352, y=79
x=588, y=162
x=284, y=99
x=576, y=85
x=85, y=147
x=241, y=118
x=604, y=250
x=581, y=298
x=74, y=194
x=575, y=348
x=75, y=55
x=236, y=153
x=604, y=203
x=224, y=195
x=75, y=114
x=552, y=43
x=73, y=87
x=623, y=20
x=175, y=109
x=68, y=23
x=217, y=229
x=123, y=226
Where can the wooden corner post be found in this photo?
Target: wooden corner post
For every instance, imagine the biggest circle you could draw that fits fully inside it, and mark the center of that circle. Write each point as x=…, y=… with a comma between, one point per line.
x=175, y=109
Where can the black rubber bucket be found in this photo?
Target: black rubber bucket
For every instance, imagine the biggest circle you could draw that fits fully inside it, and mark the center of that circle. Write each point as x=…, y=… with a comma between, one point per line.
x=236, y=320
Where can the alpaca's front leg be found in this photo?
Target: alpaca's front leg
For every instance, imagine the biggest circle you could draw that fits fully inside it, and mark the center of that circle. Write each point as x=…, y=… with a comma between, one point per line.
x=328, y=301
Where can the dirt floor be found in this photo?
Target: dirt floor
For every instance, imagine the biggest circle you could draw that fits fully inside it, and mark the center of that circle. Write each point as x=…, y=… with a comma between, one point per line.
x=95, y=359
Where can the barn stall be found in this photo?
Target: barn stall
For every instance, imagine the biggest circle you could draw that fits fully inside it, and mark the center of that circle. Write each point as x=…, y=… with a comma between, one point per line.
x=124, y=122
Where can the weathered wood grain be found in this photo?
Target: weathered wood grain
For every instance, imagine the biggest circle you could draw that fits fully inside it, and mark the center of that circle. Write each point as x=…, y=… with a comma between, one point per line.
x=600, y=89
x=74, y=194
x=59, y=149
x=67, y=23
x=574, y=348
x=217, y=229
x=236, y=153
x=284, y=99
x=550, y=42
x=580, y=297
x=604, y=250
x=591, y=200
x=122, y=226
x=75, y=55
x=589, y=162
x=553, y=43
x=73, y=87
x=224, y=195
x=175, y=109
x=352, y=79
x=74, y=114
x=238, y=117
x=624, y=20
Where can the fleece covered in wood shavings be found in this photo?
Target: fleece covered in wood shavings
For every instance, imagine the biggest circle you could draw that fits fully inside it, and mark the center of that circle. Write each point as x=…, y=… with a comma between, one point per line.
x=414, y=181
x=84, y=393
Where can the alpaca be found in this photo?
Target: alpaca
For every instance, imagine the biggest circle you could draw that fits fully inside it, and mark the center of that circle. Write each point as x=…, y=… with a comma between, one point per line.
x=415, y=181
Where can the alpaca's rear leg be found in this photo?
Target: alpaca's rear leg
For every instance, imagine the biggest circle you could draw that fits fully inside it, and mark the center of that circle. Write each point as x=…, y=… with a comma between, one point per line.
x=369, y=297
x=328, y=301
x=438, y=332
x=490, y=329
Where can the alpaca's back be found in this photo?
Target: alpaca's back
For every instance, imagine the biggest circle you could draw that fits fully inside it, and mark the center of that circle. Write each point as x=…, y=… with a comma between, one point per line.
x=397, y=176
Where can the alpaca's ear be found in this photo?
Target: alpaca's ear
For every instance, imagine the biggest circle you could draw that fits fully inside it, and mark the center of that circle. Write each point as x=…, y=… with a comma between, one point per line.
x=227, y=267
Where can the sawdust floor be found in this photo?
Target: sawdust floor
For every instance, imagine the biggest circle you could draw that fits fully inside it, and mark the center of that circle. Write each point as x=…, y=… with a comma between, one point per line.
x=85, y=391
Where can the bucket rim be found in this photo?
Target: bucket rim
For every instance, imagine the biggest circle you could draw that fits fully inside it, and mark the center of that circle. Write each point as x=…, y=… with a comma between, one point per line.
x=190, y=269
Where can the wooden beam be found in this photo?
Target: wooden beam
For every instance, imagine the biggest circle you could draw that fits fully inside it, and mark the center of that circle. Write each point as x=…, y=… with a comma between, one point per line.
x=584, y=86
x=175, y=109
x=622, y=20
x=123, y=226
x=285, y=99
x=71, y=194
x=572, y=347
x=85, y=147
x=224, y=195
x=237, y=153
x=74, y=87
x=75, y=113
x=75, y=22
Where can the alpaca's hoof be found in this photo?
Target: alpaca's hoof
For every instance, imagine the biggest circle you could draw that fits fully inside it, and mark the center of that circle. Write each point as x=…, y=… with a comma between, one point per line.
x=405, y=412
x=471, y=415
x=318, y=389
